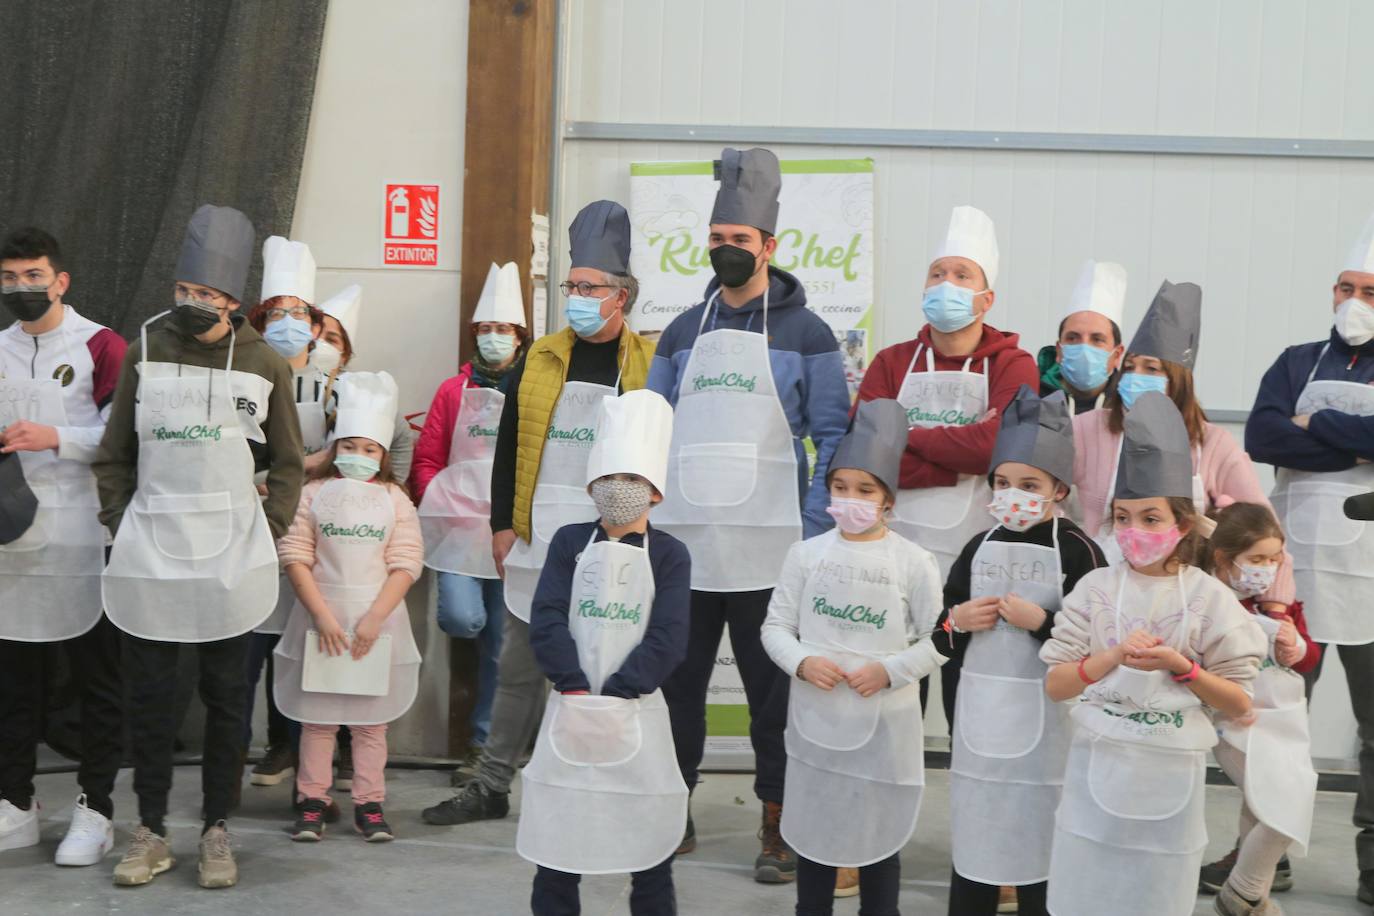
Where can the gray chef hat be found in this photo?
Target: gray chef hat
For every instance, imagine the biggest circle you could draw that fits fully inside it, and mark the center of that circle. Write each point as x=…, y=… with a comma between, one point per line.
x=1156, y=457
x=875, y=442
x=600, y=238
x=749, y=184
x=1172, y=325
x=216, y=250
x=1036, y=431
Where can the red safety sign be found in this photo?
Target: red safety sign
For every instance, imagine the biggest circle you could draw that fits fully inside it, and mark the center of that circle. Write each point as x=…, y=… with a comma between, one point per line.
x=410, y=230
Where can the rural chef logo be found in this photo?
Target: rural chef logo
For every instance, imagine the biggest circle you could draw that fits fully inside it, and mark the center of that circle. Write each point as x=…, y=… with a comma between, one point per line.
x=193, y=433
x=860, y=614
x=362, y=531
x=612, y=612
x=725, y=380
x=476, y=430
x=410, y=227
x=584, y=434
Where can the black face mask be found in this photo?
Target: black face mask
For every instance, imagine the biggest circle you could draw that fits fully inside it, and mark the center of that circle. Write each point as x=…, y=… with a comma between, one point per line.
x=194, y=320
x=733, y=265
x=27, y=303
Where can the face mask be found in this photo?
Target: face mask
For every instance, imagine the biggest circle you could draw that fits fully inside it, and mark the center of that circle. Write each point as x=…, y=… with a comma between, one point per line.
x=1141, y=548
x=734, y=266
x=948, y=308
x=1084, y=366
x=1016, y=509
x=26, y=303
x=621, y=501
x=357, y=467
x=1133, y=384
x=584, y=315
x=325, y=357
x=854, y=516
x=1249, y=581
x=1355, y=322
x=194, y=319
x=288, y=336
x=495, y=348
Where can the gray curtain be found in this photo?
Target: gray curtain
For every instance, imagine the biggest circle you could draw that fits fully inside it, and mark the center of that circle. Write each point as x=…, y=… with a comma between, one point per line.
x=120, y=118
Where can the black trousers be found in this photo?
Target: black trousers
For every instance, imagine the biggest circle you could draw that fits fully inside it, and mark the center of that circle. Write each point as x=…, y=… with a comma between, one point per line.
x=879, y=886
x=765, y=686
x=555, y=893
x=279, y=731
x=94, y=660
x=151, y=667
x=969, y=898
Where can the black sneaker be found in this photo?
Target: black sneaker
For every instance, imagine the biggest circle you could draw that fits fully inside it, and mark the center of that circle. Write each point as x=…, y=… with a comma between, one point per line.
x=343, y=770
x=466, y=771
x=474, y=803
x=368, y=820
x=1283, y=876
x=310, y=821
x=689, y=837
x=1214, y=874
x=277, y=764
x=776, y=863
x=331, y=814
x=1365, y=892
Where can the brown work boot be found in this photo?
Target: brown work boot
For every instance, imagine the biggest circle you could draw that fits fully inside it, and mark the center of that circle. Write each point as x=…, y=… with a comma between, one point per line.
x=777, y=863
x=846, y=882
x=1007, y=901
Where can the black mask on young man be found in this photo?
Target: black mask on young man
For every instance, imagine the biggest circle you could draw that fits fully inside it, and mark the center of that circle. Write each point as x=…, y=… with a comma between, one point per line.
x=733, y=265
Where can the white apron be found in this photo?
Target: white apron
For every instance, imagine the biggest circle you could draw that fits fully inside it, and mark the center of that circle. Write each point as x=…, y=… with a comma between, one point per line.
x=354, y=521
x=50, y=577
x=455, y=515
x=855, y=765
x=1106, y=530
x=1333, y=556
x=193, y=560
x=603, y=793
x=560, y=491
x=1130, y=832
x=942, y=519
x=1010, y=740
x=732, y=467
x=1280, y=783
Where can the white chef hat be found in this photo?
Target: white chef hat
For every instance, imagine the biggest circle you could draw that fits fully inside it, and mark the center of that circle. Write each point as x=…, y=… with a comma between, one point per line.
x=288, y=269
x=367, y=406
x=344, y=307
x=1101, y=288
x=632, y=437
x=971, y=235
x=501, y=300
x=1361, y=256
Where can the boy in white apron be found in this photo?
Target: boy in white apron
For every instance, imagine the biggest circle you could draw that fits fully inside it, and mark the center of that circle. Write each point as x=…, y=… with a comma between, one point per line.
x=609, y=619
x=1009, y=740
x=1146, y=644
x=850, y=622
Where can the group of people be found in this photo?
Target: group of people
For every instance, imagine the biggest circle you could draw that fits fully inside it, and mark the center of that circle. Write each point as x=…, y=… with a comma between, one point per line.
x=1092, y=567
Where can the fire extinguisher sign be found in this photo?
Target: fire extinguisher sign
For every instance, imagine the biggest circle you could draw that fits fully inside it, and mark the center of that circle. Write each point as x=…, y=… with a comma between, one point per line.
x=410, y=225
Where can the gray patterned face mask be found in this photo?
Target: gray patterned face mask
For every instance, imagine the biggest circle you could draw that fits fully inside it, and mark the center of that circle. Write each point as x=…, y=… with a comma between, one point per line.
x=621, y=501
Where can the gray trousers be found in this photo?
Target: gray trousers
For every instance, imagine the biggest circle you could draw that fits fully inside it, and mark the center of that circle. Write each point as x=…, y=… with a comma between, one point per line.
x=521, y=690
x=1358, y=662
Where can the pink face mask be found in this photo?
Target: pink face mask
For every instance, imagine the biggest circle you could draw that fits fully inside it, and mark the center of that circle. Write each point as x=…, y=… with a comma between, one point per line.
x=1141, y=548
x=854, y=516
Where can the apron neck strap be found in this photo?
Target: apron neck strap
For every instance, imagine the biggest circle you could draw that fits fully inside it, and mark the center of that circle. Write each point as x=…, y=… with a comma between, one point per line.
x=713, y=309
x=1313, y=374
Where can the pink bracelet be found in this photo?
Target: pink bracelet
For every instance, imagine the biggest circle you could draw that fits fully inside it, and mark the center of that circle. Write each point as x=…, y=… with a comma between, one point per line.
x=1189, y=676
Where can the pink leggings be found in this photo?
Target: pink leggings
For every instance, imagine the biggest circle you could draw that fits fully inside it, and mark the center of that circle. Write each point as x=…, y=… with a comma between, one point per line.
x=316, y=773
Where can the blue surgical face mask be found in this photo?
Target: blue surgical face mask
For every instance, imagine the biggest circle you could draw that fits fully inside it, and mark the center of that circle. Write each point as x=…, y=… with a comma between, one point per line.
x=495, y=348
x=288, y=336
x=1133, y=384
x=357, y=467
x=948, y=308
x=1084, y=366
x=584, y=315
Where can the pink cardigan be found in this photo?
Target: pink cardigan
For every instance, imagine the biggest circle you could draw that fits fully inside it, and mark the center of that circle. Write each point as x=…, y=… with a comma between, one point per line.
x=1225, y=470
x=404, y=549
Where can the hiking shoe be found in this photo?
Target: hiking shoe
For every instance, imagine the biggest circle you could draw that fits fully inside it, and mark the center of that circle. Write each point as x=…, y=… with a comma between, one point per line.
x=145, y=859
x=1007, y=901
x=776, y=863
x=18, y=826
x=689, y=837
x=310, y=821
x=1214, y=874
x=474, y=803
x=846, y=882
x=1230, y=903
x=343, y=770
x=89, y=837
x=466, y=771
x=369, y=821
x=217, y=867
x=277, y=764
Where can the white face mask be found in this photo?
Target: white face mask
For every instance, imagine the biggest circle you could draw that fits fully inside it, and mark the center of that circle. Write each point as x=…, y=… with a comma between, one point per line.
x=1355, y=322
x=1249, y=581
x=1016, y=509
x=325, y=357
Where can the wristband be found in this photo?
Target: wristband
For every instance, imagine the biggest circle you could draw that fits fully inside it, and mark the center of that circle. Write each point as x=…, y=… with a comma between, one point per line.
x=1189, y=676
x=1083, y=671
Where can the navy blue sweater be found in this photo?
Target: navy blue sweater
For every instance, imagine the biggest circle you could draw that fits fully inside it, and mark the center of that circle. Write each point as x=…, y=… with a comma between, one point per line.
x=665, y=638
x=1333, y=440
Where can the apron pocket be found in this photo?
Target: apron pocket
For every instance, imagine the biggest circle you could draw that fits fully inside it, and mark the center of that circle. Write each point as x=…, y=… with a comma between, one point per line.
x=1141, y=783
x=556, y=506
x=590, y=731
x=474, y=479
x=1017, y=718
x=837, y=719
x=937, y=507
x=1315, y=514
x=718, y=474
x=192, y=527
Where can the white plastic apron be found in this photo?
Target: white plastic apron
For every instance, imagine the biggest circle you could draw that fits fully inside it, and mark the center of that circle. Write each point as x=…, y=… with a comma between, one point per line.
x=842, y=747
x=354, y=522
x=732, y=468
x=50, y=576
x=942, y=519
x=1130, y=832
x=1333, y=556
x=560, y=491
x=1106, y=530
x=193, y=560
x=455, y=515
x=603, y=793
x=1010, y=740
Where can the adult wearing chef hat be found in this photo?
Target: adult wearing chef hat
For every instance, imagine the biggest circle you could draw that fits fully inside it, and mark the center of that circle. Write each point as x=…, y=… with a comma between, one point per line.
x=1312, y=420
x=202, y=402
x=1088, y=351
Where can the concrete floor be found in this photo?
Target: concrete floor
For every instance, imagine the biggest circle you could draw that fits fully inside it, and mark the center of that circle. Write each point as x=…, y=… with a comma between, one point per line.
x=474, y=869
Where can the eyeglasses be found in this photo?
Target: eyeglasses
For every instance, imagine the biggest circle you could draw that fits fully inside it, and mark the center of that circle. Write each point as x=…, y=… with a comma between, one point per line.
x=299, y=312
x=200, y=294
x=584, y=288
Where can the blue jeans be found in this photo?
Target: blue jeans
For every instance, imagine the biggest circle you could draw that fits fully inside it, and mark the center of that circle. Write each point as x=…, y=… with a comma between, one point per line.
x=476, y=609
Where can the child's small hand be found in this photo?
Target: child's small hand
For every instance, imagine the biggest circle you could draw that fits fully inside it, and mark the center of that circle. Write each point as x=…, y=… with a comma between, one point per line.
x=869, y=679
x=1287, y=634
x=1019, y=612
x=976, y=614
x=1288, y=656
x=333, y=639
x=820, y=671
x=1134, y=642
x=1158, y=658
x=364, y=635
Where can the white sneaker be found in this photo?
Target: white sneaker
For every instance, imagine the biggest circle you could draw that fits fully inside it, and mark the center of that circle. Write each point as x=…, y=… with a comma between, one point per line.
x=18, y=828
x=88, y=839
